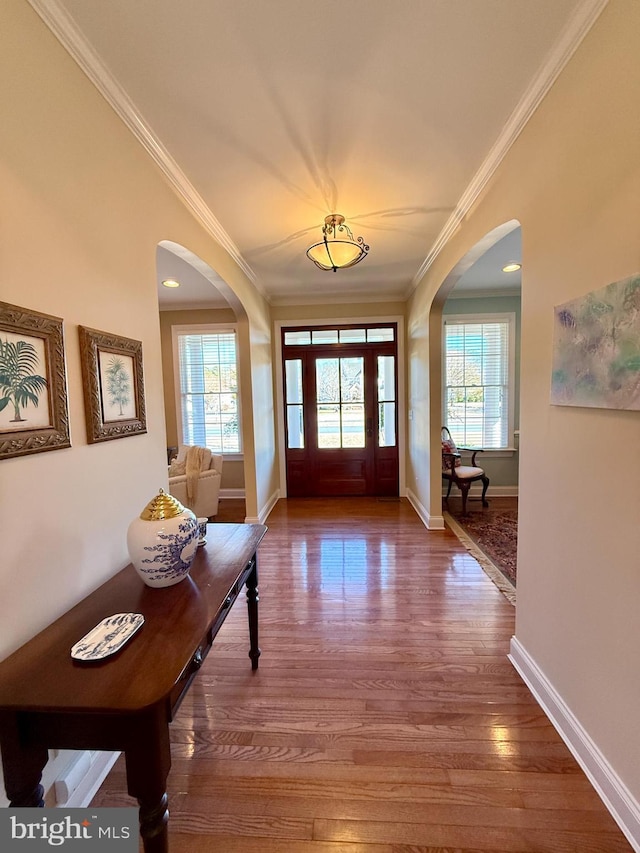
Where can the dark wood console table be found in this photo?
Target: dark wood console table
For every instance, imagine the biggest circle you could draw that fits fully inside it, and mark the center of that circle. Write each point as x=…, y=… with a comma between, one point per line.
x=125, y=702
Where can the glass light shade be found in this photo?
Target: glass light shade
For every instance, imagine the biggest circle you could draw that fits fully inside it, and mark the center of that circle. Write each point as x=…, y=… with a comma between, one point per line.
x=338, y=249
x=335, y=253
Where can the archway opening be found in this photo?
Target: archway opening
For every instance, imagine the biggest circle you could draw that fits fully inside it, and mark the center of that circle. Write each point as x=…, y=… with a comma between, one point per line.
x=475, y=325
x=199, y=326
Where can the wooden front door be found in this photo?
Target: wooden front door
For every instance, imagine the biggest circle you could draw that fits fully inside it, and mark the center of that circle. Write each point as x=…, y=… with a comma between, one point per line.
x=341, y=412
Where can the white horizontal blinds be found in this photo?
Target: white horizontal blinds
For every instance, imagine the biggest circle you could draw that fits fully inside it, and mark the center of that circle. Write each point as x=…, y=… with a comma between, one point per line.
x=477, y=382
x=209, y=390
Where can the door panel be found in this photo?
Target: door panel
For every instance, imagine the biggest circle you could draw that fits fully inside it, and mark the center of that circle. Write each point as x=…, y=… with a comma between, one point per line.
x=340, y=475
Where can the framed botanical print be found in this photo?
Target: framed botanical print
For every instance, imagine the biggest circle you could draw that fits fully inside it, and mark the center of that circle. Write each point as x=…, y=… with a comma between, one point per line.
x=113, y=385
x=34, y=415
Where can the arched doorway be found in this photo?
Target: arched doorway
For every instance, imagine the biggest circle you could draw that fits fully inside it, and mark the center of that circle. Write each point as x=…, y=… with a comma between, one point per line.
x=475, y=324
x=198, y=306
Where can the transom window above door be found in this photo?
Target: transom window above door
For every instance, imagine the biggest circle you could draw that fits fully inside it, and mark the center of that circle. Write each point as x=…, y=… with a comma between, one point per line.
x=311, y=337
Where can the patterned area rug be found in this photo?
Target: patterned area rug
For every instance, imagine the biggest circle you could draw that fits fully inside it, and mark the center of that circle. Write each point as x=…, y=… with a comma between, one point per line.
x=491, y=536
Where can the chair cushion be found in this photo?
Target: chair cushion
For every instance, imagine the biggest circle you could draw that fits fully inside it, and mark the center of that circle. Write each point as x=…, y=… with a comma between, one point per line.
x=177, y=469
x=464, y=472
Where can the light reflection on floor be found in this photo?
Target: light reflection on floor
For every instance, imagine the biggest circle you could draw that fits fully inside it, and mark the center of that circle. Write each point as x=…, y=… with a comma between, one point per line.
x=502, y=741
x=345, y=565
x=352, y=566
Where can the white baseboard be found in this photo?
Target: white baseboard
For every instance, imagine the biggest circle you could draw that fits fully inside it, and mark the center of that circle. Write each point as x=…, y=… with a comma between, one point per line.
x=502, y=491
x=79, y=783
x=431, y=522
x=494, y=491
x=263, y=513
x=623, y=806
x=228, y=494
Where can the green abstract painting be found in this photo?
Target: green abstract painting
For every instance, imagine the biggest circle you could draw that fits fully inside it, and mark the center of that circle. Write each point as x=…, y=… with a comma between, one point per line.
x=596, y=348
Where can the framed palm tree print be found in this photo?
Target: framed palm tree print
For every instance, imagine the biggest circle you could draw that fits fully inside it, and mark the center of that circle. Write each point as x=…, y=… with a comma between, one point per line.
x=113, y=385
x=33, y=387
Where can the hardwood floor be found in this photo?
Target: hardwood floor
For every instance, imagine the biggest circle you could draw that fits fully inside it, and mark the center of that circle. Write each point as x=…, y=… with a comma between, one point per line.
x=384, y=717
x=231, y=510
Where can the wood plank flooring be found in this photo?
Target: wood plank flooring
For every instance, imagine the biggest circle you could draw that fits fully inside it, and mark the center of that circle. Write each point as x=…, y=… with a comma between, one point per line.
x=384, y=717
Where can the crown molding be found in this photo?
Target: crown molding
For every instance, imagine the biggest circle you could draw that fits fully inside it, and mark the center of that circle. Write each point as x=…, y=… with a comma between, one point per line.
x=567, y=44
x=73, y=40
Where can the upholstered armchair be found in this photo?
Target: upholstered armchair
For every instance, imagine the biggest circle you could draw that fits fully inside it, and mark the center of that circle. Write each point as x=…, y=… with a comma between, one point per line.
x=194, y=479
x=462, y=475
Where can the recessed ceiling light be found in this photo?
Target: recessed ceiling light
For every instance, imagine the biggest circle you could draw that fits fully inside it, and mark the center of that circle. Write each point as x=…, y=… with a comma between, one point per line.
x=512, y=267
x=171, y=282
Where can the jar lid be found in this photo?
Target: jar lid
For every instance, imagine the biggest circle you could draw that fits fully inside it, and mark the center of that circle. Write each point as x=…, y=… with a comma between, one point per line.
x=161, y=507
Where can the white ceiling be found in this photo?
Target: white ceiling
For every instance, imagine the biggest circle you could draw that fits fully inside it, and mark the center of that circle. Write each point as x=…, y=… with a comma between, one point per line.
x=267, y=116
x=195, y=290
x=485, y=277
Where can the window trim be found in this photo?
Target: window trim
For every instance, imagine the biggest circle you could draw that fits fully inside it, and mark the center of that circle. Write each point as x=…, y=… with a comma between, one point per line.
x=203, y=329
x=479, y=317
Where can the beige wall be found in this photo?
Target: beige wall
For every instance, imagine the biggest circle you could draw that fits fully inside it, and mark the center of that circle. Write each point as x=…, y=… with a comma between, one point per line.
x=233, y=469
x=82, y=211
x=349, y=312
x=573, y=181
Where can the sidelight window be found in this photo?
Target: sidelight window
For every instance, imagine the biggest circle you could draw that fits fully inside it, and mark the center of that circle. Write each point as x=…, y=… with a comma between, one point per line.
x=295, y=410
x=386, y=401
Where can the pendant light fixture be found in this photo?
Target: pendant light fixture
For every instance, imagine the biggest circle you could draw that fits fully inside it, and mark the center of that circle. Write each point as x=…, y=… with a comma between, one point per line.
x=338, y=248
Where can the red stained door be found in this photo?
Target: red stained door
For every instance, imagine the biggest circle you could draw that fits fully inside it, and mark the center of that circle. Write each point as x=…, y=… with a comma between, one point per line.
x=341, y=417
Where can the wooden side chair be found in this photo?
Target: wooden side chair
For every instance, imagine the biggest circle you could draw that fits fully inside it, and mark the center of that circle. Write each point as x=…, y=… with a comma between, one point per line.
x=462, y=475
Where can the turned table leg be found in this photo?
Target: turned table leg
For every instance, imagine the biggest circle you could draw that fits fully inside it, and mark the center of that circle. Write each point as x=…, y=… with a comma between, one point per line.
x=252, y=604
x=148, y=758
x=154, y=821
x=22, y=763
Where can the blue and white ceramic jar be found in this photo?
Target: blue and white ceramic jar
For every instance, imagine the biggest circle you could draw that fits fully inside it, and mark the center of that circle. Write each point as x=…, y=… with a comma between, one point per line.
x=162, y=541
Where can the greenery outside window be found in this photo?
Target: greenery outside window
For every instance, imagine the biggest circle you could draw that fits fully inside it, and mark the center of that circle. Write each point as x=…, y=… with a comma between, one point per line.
x=479, y=380
x=207, y=392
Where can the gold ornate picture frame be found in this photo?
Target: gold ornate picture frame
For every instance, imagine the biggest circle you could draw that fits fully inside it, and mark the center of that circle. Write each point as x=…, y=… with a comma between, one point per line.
x=34, y=415
x=113, y=385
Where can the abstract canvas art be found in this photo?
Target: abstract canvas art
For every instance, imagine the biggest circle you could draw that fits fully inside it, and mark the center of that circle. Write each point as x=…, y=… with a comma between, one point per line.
x=596, y=348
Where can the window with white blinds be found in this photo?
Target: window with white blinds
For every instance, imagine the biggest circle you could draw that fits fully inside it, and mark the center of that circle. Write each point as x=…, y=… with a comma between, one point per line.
x=478, y=379
x=208, y=398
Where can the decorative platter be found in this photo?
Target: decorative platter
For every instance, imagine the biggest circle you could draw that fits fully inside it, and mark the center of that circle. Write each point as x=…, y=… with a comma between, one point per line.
x=108, y=636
